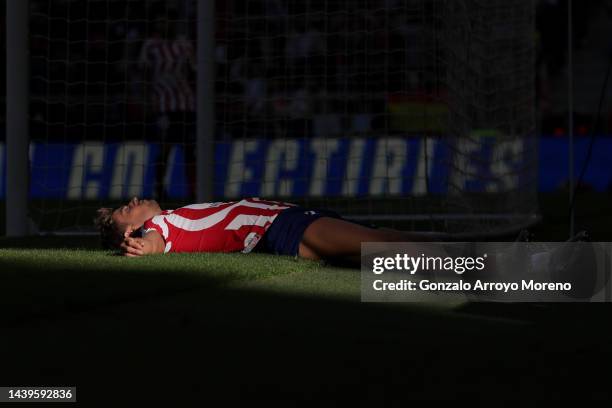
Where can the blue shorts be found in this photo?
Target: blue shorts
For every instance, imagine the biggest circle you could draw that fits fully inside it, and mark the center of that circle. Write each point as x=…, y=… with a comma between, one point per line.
x=285, y=234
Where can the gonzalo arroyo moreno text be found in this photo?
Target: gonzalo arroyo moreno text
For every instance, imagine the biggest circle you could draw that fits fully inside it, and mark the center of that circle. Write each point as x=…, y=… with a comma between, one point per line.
x=455, y=265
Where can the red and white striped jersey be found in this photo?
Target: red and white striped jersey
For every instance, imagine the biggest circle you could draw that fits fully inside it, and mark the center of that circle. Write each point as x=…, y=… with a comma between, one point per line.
x=216, y=227
x=171, y=63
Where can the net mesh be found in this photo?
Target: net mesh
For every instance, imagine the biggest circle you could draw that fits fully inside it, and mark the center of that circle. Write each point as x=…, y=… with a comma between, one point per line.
x=414, y=113
x=112, y=106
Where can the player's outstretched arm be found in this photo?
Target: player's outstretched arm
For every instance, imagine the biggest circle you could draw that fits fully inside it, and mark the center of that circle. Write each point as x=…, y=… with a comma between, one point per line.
x=151, y=243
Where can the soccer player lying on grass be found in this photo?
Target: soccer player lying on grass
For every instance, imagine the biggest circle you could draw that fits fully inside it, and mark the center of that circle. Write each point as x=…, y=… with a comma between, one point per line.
x=141, y=227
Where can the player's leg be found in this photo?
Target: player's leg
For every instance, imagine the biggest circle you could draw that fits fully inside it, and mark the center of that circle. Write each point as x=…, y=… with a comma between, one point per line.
x=336, y=238
x=305, y=252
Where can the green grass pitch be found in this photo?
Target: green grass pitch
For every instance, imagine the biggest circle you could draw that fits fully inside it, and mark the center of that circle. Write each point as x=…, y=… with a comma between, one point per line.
x=85, y=278
x=41, y=282
x=172, y=329
x=82, y=316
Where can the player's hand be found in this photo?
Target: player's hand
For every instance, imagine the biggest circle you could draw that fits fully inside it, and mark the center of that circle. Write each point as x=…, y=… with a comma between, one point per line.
x=133, y=247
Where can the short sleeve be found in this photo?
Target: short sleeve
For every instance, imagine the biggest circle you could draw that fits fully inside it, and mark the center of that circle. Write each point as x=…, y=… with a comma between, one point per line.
x=150, y=226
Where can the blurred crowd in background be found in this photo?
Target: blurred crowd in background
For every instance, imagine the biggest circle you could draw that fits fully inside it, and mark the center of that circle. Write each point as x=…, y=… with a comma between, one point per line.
x=113, y=70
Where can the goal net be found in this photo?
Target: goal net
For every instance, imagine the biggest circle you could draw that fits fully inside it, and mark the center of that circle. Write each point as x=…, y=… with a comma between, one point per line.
x=412, y=113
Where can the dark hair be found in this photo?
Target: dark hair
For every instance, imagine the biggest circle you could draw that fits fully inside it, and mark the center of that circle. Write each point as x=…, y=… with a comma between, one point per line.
x=110, y=232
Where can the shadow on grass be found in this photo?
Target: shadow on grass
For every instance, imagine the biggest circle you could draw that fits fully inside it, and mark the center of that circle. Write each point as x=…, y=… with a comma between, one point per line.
x=234, y=344
x=173, y=339
x=33, y=291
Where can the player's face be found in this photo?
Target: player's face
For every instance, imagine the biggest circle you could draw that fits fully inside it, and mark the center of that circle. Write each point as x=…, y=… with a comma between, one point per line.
x=135, y=213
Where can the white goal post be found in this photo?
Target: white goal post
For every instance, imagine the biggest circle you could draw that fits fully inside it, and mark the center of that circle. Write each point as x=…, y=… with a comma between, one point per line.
x=17, y=132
